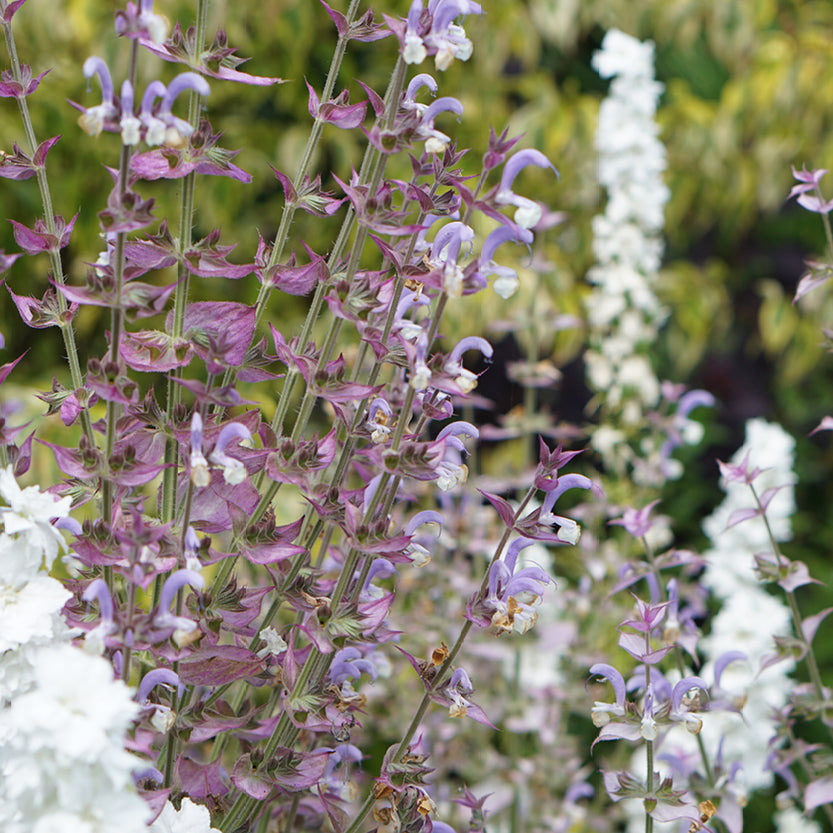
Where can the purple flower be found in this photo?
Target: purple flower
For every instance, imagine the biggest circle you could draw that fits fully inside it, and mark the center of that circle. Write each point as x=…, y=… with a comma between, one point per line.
x=159, y=676
x=445, y=39
x=192, y=546
x=178, y=130
x=200, y=474
x=140, y=22
x=234, y=471
x=98, y=591
x=451, y=471
x=528, y=212
x=602, y=713
x=344, y=753
x=637, y=521
x=164, y=618
x=131, y=127
x=416, y=550
x=93, y=119
x=381, y=568
x=568, y=530
x=413, y=49
x=684, y=705
x=155, y=127
x=648, y=726
x=435, y=141
x=514, y=596
x=407, y=329
x=421, y=375
x=379, y=418
x=465, y=379
x=348, y=663
x=459, y=685
x=444, y=253
x=506, y=282
x=808, y=190
x=409, y=101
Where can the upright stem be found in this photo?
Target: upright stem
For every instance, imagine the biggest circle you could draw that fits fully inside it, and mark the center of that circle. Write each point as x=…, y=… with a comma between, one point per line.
x=442, y=671
x=56, y=265
x=186, y=225
x=117, y=312
x=795, y=613
x=290, y=207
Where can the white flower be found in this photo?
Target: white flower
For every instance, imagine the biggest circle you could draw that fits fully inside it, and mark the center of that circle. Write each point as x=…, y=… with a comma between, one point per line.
x=275, y=643
x=506, y=282
x=156, y=25
x=28, y=614
x=163, y=719
x=28, y=514
x=62, y=756
x=414, y=51
x=749, y=616
x=190, y=818
x=623, y=312
x=451, y=475
x=622, y=54
x=131, y=129
x=421, y=377
x=792, y=820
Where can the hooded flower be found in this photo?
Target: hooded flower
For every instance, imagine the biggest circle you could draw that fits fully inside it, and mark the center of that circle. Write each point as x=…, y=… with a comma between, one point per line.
x=514, y=595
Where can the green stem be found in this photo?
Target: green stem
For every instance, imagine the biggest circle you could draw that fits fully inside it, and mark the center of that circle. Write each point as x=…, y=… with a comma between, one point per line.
x=186, y=225
x=117, y=312
x=56, y=265
x=795, y=613
x=678, y=657
x=442, y=671
x=290, y=207
x=373, y=163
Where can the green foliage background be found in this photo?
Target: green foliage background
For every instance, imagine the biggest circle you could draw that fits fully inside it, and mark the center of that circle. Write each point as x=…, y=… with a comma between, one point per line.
x=746, y=89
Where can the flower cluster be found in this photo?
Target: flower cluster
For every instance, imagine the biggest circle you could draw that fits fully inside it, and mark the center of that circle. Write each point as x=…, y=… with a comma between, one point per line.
x=64, y=717
x=622, y=310
x=155, y=123
x=432, y=31
x=749, y=616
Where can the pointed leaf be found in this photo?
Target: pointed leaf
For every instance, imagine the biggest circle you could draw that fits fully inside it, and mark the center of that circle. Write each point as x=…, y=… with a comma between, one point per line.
x=218, y=665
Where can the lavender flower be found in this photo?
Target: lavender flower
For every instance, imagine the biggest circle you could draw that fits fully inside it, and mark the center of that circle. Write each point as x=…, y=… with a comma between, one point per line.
x=465, y=379
x=445, y=39
x=436, y=141
x=164, y=619
x=808, y=190
x=444, y=253
x=200, y=475
x=234, y=471
x=514, y=595
x=528, y=213
x=93, y=119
